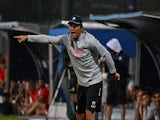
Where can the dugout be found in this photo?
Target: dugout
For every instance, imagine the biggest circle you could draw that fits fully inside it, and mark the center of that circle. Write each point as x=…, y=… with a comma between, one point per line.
x=26, y=61
x=146, y=28
x=139, y=36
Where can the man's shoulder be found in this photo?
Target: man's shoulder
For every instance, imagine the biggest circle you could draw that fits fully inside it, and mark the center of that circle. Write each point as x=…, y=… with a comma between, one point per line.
x=89, y=37
x=87, y=34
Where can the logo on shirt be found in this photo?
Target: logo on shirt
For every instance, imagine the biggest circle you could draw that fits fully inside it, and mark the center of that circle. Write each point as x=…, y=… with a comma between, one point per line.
x=78, y=53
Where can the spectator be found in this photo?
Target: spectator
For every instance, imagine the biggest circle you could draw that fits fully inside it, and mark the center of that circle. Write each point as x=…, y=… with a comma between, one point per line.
x=6, y=107
x=145, y=106
x=130, y=82
x=139, y=94
x=31, y=91
x=131, y=97
x=116, y=90
x=17, y=94
x=40, y=106
x=2, y=74
x=13, y=91
x=31, y=94
x=131, y=90
x=20, y=97
x=155, y=105
x=148, y=110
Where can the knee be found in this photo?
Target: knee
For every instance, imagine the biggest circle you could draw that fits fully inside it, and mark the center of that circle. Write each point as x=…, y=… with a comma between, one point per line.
x=90, y=115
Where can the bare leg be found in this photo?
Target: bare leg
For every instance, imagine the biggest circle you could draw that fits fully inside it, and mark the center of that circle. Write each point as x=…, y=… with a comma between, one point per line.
x=122, y=110
x=90, y=115
x=36, y=106
x=81, y=116
x=103, y=111
x=109, y=112
x=32, y=109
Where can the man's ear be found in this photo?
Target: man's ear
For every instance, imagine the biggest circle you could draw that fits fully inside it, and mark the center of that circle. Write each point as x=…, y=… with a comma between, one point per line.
x=82, y=29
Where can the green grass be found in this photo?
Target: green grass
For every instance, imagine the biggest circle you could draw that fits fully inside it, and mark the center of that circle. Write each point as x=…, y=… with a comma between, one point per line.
x=2, y=117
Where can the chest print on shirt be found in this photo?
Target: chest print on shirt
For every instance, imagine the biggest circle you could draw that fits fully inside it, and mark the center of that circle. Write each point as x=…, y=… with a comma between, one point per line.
x=77, y=53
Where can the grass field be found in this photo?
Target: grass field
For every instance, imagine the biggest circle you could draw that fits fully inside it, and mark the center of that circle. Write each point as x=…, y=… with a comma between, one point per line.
x=11, y=118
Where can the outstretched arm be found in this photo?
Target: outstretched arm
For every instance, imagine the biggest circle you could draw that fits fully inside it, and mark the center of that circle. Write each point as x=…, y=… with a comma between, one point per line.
x=21, y=38
x=59, y=40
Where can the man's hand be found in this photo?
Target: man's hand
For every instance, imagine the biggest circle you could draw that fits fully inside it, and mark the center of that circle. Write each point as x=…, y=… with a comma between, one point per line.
x=116, y=76
x=21, y=38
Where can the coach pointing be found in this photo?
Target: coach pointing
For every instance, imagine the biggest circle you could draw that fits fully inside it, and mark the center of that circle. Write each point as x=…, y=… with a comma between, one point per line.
x=83, y=50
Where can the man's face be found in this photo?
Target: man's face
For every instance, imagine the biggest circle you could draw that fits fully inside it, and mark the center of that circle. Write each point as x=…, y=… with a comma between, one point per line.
x=146, y=100
x=75, y=30
x=139, y=95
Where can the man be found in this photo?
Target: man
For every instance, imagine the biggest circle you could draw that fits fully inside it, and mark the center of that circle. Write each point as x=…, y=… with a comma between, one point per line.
x=83, y=50
x=116, y=93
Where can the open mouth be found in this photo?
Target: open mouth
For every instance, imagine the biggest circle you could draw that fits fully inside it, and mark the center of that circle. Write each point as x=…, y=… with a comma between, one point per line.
x=73, y=32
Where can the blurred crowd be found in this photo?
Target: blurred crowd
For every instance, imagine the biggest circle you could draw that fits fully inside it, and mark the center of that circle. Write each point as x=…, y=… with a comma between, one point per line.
x=146, y=103
x=26, y=97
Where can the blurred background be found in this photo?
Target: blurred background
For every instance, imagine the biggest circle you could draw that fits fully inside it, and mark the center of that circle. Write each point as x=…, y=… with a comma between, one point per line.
x=139, y=37
x=48, y=11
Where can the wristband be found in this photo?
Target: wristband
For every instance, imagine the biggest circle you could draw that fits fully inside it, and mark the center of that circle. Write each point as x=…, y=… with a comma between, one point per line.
x=113, y=74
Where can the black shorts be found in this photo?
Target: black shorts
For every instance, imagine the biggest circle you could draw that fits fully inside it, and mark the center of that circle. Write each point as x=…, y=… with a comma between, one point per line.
x=73, y=85
x=89, y=98
x=116, y=92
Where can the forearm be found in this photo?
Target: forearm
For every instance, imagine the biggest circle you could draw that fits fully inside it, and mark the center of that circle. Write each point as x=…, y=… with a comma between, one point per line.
x=38, y=38
x=137, y=115
x=44, y=39
x=110, y=63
